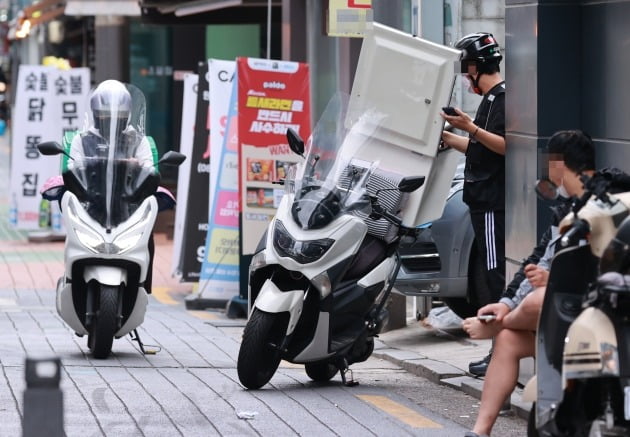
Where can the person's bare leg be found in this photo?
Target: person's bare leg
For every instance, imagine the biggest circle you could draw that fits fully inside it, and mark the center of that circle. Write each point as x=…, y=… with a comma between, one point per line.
x=510, y=346
x=525, y=315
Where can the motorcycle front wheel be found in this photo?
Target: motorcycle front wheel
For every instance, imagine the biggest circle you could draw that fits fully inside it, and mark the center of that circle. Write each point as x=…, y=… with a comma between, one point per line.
x=104, y=323
x=259, y=355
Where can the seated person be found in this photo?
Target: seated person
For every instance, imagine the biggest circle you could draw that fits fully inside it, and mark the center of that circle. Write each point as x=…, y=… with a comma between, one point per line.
x=514, y=327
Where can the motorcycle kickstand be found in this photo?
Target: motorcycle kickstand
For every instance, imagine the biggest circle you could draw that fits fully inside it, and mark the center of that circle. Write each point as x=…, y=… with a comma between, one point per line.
x=343, y=369
x=143, y=347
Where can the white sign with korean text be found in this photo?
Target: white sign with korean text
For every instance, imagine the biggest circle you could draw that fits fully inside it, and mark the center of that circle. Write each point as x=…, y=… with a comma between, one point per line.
x=49, y=102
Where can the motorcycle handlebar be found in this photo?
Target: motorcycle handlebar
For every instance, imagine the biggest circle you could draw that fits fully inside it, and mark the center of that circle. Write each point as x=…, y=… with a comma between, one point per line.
x=578, y=231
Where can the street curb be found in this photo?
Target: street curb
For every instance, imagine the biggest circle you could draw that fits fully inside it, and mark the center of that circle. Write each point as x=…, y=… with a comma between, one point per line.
x=448, y=375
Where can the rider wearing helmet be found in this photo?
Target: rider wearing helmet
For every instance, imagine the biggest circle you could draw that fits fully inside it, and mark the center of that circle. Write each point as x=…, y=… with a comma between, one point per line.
x=110, y=109
x=484, y=174
x=111, y=135
x=480, y=55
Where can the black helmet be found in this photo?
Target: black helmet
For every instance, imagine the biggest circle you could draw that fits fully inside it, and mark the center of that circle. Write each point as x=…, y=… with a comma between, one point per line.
x=110, y=102
x=480, y=48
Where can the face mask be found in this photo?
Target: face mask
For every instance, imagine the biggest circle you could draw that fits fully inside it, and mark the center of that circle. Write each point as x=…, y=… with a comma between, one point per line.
x=563, y=192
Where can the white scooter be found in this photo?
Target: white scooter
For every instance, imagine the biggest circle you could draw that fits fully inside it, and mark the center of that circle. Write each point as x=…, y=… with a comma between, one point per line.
x=109, y=207
x=582, y=373
x=321, y=276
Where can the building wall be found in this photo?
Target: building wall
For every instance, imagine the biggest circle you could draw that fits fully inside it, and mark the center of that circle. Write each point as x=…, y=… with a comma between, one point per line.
x=462, y=17
x=568, y=69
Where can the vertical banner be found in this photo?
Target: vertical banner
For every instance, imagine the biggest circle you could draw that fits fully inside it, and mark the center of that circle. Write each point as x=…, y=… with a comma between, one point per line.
x=49, y=102
x=198, y=188
x=189, y=109
x=220, y=270
x=272, y=97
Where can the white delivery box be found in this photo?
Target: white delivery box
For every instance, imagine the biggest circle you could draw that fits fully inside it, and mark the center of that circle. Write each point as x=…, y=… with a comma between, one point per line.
x=407, y=80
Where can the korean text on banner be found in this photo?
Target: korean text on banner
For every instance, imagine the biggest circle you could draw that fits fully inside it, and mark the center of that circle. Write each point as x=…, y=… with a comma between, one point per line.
x=272, y=97
x=219, y=279
x=49, y=103
x=189, y=108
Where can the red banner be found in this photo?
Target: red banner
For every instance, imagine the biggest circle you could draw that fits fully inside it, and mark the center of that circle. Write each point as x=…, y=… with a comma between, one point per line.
x=272, y=97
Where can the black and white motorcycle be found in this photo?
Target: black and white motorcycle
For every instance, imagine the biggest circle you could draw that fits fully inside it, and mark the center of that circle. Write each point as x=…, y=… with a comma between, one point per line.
x=322, y=274
x=109, y=200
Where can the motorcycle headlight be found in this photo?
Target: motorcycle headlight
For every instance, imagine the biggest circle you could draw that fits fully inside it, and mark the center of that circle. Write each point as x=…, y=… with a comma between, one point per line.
x=132, y=236
x=127, y=241
x=91, y=240
x=258, y=261
x=301, y=251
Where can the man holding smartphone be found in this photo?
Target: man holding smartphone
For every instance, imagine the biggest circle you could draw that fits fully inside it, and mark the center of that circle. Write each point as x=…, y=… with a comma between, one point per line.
x=484, y=173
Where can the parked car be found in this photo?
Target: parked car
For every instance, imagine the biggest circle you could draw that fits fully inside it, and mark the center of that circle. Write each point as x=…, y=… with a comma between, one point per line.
x=442, y=263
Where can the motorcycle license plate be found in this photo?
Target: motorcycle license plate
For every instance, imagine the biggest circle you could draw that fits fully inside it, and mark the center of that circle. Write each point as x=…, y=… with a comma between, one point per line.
x=626, y=403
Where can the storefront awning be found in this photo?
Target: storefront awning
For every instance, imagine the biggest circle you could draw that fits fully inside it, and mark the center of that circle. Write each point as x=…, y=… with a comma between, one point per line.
x=103, y=7
x=205, y=11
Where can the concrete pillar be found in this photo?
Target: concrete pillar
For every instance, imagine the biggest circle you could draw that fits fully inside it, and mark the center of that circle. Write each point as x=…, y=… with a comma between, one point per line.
x=543, y=96
x=112, y=48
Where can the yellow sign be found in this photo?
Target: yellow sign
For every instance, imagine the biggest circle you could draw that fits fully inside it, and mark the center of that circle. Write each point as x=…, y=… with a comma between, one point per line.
x=348, y=17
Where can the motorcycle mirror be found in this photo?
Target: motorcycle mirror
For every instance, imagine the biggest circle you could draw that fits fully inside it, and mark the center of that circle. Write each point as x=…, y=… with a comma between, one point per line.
x=172, y=158
x=50, y=148
x=546, y=189
x=296, y=143
x=410, y=184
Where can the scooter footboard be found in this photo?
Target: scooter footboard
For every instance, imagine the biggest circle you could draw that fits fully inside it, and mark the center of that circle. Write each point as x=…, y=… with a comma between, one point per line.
x=273, y=300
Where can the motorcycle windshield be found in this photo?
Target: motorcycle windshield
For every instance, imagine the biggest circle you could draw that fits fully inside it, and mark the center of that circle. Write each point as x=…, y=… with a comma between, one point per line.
x=111, y=167
x=330, y=182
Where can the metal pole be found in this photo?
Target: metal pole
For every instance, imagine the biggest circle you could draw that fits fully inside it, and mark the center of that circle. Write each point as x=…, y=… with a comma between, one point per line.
x=268, y=29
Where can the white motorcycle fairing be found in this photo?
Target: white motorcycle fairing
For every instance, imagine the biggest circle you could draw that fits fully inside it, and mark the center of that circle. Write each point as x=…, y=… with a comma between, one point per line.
x=347, y=231
x=590, y=349
x=87, y=241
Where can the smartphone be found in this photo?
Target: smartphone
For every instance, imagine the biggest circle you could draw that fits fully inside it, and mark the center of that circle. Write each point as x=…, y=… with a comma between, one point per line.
x=487, y=317
x=449, y=110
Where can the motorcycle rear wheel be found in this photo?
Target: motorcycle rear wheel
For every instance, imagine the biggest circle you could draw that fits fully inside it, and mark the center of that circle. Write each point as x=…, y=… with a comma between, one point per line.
x=104, y=324
x=320, y=371
x=259, y=356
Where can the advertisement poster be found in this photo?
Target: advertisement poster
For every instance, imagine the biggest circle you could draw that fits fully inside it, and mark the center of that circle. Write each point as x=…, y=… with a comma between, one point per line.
x=49, y=103
x=220, y=270
x=189, y=110
x=196, y=223
x=272, y=97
